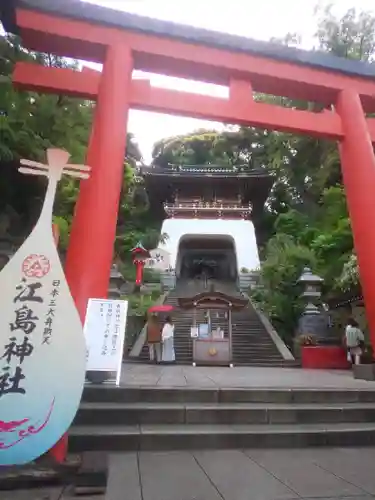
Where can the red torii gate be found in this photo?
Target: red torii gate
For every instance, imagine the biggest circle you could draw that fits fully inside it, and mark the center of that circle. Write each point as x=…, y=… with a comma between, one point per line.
x=123, y=42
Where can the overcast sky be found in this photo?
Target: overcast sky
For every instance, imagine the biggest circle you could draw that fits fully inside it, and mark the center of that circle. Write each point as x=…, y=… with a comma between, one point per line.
x=261, y=19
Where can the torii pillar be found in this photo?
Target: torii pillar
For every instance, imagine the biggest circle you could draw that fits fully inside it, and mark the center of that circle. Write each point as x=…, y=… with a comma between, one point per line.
x=90, y=251
x=358, y=169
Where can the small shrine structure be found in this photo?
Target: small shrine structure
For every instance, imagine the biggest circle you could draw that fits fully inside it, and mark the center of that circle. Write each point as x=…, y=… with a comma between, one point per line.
x=212, y=346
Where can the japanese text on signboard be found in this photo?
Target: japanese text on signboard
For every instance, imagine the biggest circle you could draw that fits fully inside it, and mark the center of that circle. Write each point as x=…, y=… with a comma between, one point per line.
x=34, y=311
x=20, y=344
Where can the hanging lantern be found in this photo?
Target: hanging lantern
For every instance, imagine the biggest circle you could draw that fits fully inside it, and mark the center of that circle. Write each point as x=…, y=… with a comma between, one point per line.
x=139, y=256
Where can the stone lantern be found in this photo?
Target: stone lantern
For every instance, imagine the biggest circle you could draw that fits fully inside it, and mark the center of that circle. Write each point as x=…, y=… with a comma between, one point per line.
x=313, y=321
x=312, y=285
x=116, y=280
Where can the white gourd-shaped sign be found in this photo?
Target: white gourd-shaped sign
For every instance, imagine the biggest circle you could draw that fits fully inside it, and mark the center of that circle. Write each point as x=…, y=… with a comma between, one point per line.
x=42, y=346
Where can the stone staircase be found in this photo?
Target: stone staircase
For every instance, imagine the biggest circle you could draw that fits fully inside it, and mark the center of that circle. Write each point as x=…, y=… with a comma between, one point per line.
x=182, y=340
x=252, y=345
x=133, y=418
x=183, y=343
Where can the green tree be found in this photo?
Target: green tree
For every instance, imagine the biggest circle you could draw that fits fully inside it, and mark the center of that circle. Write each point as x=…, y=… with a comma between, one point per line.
x=32, y=122
x=349, y=278
x=279, y=293
x=352, y=36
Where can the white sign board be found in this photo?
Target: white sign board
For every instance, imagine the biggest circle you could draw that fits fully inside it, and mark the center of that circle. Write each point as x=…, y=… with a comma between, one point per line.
x=105, y=335
x=159, y=260
x=194, y=332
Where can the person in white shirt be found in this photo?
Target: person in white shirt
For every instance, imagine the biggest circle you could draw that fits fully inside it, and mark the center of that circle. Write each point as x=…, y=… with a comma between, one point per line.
x=167, y=337
x=354, y=339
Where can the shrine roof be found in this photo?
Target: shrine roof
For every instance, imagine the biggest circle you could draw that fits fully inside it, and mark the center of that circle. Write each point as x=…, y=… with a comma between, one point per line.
x=82, y=11
x=255, y=184
x=213, y=299
x=205, y=171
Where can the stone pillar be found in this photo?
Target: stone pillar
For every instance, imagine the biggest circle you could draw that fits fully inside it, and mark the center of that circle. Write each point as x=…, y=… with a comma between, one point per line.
x=90, y=251
x=358, y=169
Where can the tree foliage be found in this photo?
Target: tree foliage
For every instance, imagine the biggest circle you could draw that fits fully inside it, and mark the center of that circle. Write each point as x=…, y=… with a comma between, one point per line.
x=319, y=223
x=29, y=124
x=279, y=292
x=352, y=36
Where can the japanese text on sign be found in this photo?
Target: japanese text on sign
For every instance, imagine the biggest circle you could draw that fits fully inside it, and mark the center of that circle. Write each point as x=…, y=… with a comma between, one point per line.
x=20, y=345
x=104, y=331
x=48, y=323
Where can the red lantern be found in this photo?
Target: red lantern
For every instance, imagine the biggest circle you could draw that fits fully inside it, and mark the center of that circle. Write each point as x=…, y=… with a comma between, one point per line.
x=139, y=256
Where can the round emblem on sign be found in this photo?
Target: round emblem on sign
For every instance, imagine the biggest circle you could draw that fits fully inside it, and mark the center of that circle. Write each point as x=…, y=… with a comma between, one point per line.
x=212, y=351
x=36, y=266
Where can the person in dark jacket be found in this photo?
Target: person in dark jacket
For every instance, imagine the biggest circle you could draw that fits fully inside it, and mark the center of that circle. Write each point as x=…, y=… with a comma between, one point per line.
x=154, y=338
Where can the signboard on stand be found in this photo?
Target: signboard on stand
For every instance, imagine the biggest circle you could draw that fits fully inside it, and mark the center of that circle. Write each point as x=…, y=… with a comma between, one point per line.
x=42, y=347
x=105, y=335
x=203, y=331
x=194, y=332
x=159, y=260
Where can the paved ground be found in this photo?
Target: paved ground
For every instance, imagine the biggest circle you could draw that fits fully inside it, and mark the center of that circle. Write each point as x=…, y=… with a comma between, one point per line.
x=46, y=494
x=243, y=475
x=234, y=475
x=187, y=376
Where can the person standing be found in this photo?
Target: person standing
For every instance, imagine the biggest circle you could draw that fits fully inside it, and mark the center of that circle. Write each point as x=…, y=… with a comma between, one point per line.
x=167, y=335
x=354, y=339
x=154, y=338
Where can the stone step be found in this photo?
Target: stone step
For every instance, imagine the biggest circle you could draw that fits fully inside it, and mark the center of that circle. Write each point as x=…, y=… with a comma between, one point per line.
x=239, y=348
x=249, y=351
x=252, y=343
x=270, y=363
x=255, y=358
x=251, y=335
x=252, y=346
x=245, y=352
x=187, y=437
x=186, y=359
x=255, y=354
x=282, y=363
x=108, y=394
x=239, y=413
x=261, y=364
x=255, y=347
x=251, y=331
